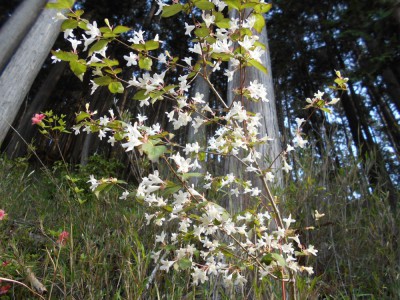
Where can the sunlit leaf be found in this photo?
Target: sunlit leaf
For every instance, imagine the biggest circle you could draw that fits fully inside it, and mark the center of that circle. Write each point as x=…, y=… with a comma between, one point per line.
x=169, y=11
x=116, y=87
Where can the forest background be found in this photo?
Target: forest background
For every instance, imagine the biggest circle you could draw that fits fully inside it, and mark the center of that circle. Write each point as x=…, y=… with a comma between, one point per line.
x=350, y=171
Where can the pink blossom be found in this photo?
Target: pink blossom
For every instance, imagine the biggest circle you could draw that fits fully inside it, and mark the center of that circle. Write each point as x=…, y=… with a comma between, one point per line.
x=62, y=239
x=38, y=118
x=2, y=214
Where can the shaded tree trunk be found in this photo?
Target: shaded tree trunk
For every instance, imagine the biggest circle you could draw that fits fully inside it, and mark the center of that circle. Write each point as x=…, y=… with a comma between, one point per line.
x=16, y=147
x=25, y=65
x=12, y=33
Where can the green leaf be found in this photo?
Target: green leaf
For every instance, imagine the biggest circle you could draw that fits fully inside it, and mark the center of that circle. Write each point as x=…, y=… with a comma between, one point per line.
x=218, y=16
x=222, y=56
x=170, y=188
x=83, y=25
x=202, y=32
x=260, y=22
x=109, y=35
x=262, y=8
x=140, y=95
x=153, y=152
x=81, y=116
x=78, y=67
x=121, y=29
x=191, y=175
x=204, y=5
x=69, y=24
x=104, y=80
x=233, y=4
x=65, y=56
x=61, y=4
x=104, y=187
x=224, y=23
x=327, y=110
x=111, y=62
x=169, y=11
x=279, y=259
x=98, y=46
x=79, y=12
x=257, y=65
x=138, y=47
x=267, y=259
x=184, y=263
x=152, y=45
x=145, y=63
x=116, y=87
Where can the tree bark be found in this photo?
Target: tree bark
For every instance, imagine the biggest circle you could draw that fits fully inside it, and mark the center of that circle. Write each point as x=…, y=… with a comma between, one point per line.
x=199, y=86
x=18, y=76
x=269, y=127
x=13, y=32
x=16, y=147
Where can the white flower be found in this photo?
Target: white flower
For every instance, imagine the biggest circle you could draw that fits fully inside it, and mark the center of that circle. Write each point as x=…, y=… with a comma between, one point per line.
x=161, y=5
x=162, y=58
x=199, y=275
x=310, y=250
x=111, y=140
x=208, y=19
x=74, y=43
x=319, y=95
x=299, y=122
x=269, y=176
x=93, y=31
x=161, y=238
x=68, y=33
x=124, y=195
x=166, y=264
x=189, y=29
x=288, y=221
x=333, y=101
x=132, y=136
x=318, y=215
x=94, y=182
x=131, y=59
x=286, y=167
x=258, y=91
x=229, y=74
x=188, y=60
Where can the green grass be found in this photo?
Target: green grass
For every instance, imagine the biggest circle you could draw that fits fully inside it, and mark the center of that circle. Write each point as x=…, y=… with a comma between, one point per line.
x=108, y=254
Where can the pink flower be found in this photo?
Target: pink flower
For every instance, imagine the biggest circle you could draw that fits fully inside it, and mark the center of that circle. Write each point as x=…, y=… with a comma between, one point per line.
x=38, y=118
x=4, y=289
x=2, y=214
x=62, y=239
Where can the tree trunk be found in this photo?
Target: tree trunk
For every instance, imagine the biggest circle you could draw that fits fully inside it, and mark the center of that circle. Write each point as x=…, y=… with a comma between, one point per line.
x=199, y=86
x=18, y=76
x=269, y=127
x=16, y=28
x=16, y=147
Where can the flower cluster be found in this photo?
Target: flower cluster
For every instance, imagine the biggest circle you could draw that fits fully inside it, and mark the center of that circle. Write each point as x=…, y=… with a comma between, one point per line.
x=208, y=240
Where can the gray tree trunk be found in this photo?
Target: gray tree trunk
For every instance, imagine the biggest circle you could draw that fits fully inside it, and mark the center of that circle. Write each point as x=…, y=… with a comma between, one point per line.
x=12, y=33
x=21, y=71
x=269, y=127
x=16, y=146
x=202, y=87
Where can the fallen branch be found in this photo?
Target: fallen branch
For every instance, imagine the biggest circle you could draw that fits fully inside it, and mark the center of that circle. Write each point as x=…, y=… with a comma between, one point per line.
x=23, y=284
x=35, y=283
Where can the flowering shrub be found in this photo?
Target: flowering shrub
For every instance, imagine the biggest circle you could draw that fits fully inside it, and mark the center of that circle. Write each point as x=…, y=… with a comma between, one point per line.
x=206, y=239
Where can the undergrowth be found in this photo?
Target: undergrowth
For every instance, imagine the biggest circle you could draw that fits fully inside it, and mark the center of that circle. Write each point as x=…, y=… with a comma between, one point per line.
x=108, y=251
